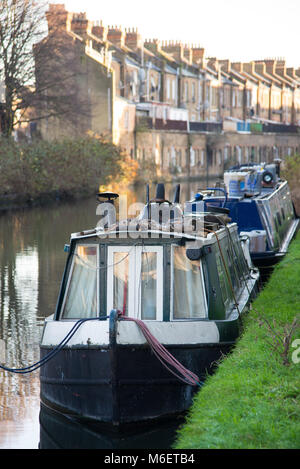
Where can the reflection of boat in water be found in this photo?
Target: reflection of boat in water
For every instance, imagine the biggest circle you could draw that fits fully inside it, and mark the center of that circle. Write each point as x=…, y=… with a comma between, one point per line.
x=58, y=431
x=177, y=283
x=259, y=201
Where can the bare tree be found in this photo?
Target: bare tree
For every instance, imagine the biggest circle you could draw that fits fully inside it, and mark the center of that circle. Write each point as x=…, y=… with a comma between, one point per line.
x=40, y=68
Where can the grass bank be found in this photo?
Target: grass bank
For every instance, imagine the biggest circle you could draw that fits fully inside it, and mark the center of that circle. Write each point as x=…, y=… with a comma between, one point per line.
x=31, y=173
x=291, y=172
x=253, y=399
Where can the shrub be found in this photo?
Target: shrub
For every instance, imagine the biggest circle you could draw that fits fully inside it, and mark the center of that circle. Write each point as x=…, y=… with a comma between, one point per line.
x=66, y=167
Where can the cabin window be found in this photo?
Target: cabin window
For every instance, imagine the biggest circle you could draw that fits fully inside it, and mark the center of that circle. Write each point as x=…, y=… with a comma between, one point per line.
x=121, y=281
x=81, y=293
x=188, y=292
x=224, y=287
x=148, y=282
x=234, y=267
x=135, y=281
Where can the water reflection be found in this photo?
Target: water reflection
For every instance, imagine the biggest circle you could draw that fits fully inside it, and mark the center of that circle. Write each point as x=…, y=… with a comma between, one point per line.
x=60, y=432
x=31, y=266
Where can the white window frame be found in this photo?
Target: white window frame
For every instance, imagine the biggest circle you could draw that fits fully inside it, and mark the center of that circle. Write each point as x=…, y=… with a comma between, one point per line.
x=134, y=292
x=172, y=291
x=70, y=278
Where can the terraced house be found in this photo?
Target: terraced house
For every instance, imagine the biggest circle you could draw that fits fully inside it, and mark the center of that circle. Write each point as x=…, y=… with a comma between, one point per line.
x=168, y=102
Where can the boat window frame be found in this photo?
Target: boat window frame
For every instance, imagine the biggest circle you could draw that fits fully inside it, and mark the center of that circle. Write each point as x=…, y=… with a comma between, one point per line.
x=227, y=302
x=70, y=274
x=135, y=258
x=204, y=289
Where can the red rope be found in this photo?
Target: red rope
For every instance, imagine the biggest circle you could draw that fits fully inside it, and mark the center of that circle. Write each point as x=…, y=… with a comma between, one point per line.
x=165, y=357
x=125, y=297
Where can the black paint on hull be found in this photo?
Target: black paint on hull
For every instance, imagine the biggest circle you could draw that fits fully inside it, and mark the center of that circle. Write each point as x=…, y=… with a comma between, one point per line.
x=123, y=385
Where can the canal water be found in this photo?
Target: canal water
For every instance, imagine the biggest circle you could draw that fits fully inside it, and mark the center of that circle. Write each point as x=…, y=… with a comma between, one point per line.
x=32, y=260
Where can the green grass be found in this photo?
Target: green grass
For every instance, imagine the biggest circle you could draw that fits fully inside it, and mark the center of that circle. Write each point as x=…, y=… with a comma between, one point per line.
x=253, y=399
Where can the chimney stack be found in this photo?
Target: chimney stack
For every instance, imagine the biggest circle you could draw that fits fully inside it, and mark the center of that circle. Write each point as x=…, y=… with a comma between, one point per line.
x=249, y=67
x=225, y=65
x=81, y=25
x=100, y=31
x=237, y=66
x=154, y=45
x=198, y=54
x=174, y=49
x=270, y=66
x=133, y=39
x=58, y=18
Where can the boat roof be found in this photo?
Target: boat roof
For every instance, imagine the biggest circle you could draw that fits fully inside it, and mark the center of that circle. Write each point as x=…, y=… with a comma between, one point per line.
x=114, y=234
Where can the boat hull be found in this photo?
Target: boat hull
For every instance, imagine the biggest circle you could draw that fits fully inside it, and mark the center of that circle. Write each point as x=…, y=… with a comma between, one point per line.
x=124, y=384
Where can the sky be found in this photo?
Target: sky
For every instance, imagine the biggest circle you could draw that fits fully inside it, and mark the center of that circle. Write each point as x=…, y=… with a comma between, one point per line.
x=237, y=30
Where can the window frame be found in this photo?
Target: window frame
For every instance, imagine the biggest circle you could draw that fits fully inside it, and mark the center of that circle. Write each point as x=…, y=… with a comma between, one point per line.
x=134, y=294
x=70, y=275
x=204, y=290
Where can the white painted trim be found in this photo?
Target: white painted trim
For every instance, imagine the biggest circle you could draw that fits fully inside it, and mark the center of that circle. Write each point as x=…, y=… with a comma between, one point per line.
x=134, y=292
x=167, y=333
x=96, y=333
x=110, y=276
x=159, y=279
x=89, y=333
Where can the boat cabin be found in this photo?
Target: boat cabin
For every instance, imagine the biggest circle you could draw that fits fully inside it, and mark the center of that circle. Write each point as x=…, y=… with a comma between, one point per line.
x=154, y=275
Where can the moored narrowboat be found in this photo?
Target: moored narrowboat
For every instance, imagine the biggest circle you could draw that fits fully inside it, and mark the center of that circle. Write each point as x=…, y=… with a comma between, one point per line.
x=259, y=201
x=146, y=308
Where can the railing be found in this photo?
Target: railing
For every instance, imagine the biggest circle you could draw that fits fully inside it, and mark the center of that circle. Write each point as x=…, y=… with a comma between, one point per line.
x=281, y=128
x=144, y=123
x=206, y=127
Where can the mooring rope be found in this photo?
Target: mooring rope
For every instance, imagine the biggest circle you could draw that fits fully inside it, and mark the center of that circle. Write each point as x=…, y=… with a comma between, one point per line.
x=53, y=352
x=164, y=356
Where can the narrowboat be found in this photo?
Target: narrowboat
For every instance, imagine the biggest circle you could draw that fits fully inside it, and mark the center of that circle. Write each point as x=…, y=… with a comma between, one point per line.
x=256, y=198
x=147, y=306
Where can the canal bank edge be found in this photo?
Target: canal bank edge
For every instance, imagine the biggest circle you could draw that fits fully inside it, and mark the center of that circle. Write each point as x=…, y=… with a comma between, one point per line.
x=252, y=402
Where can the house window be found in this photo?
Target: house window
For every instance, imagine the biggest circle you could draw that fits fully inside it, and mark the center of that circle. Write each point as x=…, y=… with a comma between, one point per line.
x=173, y=90
x=233, y=97
x=193, y=92
x=192, y=157
x=220, y=157
x=186, y=91
x=214, y=97
x=168, y=88
x=202, y=157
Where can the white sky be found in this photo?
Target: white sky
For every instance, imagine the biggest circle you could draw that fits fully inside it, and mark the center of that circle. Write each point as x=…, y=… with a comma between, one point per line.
x=227, y=29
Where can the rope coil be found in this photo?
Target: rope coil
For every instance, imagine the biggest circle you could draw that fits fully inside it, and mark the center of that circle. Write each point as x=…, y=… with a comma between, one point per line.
x=164, y=356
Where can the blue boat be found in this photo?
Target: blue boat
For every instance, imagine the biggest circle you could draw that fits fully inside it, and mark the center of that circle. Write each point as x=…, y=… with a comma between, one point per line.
x=256, y=198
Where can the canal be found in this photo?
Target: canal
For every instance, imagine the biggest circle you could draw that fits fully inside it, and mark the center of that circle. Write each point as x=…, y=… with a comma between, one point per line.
x=32, y=260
